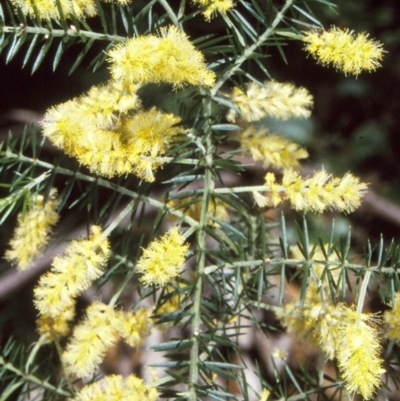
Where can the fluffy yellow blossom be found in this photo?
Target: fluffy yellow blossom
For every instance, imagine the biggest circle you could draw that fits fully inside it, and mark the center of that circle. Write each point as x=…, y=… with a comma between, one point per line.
x=358, y=352
x=135, y=326
x=163, y=259
x=392, y=320
x=91, y=339
x=273, y=197
x=96, y=129
x=72, y=273
x=117, y=388
x=212, y=6
x=171, y=58
x=319, y=192
x=274, y=99
x=51, y=328
x=343, y=49
x=33, y=230
x=47, y=9
x=272, y=149
x=102, y=327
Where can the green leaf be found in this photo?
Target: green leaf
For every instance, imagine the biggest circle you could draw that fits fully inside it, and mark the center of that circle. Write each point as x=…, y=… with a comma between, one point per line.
x=43, y=51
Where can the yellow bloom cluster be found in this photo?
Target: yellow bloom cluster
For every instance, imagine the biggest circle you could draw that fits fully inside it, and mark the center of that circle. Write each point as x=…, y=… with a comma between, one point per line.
x=163, y=259
x=358, y=351
x=341, y=332
x=33, y=230
x=97, y=130
x=117, y=388
x=48, y=9
x=338, y=330
x=392, y=320
x=151, y=59
x=71, y=274
x=272, y=149
x=343, y=49
x=98, y=332
x=317, y=193
x=212, y=6
x=274, y=99
x=318, y=320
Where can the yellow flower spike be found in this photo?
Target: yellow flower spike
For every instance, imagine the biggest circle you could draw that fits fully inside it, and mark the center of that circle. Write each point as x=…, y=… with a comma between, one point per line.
x=97, y=130
x=33, y=230
x=358, y=351
x=272, y=149
x=47, y=9
x=91, y=339
x=343, y=49
x=170, y=58
x=117, y=388
x=163, y=259
x=322, y=192
x=72, y=273
x=273, y=99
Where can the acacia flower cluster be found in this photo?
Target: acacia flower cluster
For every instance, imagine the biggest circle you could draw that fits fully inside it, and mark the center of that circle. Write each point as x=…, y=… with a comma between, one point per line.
x=48, y=9
x=33, y=230
x=343, y=49
x=358, y=353
x=170, y=57
x=317, y=193
x=163, y=259
x=212, y=6
x=272, y=99
x=272, y=149
x=340, y=332
x=98, y=332
x=97, y=129
x=117, y=388
x=72, y=273
x=318, y=319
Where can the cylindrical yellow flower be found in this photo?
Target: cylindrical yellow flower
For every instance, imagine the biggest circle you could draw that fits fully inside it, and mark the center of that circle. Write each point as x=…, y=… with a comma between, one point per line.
x=274, y=99
x=170, y=57
x=272, y=149
x=47, y=9
x=163, y=259
x=117, y=388
x=343, y=49
x=321, y=191
x=91, y=339
x=358, y=352
x=82, y=263
x=33, y=230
